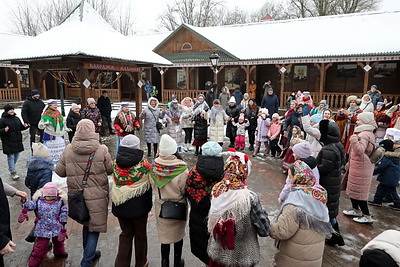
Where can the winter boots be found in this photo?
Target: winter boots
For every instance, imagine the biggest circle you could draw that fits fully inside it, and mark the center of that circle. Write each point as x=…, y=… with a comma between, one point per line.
x=336, y=238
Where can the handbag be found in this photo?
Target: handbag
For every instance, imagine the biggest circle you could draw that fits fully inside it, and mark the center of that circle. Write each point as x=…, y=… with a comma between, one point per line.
x=77, y=209
x=377, y=152
x=172, y=210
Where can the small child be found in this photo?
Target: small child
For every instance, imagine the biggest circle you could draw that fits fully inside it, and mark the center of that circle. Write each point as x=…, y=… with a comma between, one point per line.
x=388, y=169
x=274, y=133
x=241, y=126
x=39, y=168
x=50, y=222
x=297, y=137
x=263, y=123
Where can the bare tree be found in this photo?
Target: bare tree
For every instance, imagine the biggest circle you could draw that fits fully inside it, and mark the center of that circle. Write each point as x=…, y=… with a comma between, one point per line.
x=200, y=13
x=33, y=17
x=353, y=6
x=236, y=16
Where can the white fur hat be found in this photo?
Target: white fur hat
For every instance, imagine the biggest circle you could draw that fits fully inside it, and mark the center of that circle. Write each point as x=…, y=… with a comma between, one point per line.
x=232, y=99
x=366, y=117
x=40, y=151
x=168, y=145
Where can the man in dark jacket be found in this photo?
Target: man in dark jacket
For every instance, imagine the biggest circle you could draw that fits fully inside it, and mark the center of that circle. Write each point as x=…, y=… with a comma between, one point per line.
x=233, y=111
x=211, y=95
x=104, y=105
x=271, y=102
x=375, y=95
x=330, y=160
x=237, y=94
x=31, y=113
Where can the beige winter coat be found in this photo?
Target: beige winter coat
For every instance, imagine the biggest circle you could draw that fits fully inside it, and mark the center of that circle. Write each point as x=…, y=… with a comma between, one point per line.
x=217, y=127
x=72, y=165
x=297, y=245
x=169, y=230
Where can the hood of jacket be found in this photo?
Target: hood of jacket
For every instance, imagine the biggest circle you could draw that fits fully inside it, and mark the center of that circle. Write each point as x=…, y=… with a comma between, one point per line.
x=128, y=157
x=5, y=115
x=151, y=99
x=393, y=156
x=38, y=194
x=329, y=132
x=85, y=143
x=210, y=167
x=310, y=161
x=74, y=115
x=35, y=164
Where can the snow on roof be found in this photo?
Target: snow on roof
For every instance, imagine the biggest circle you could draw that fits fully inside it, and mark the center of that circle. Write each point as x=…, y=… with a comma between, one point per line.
x=341, y=35
x=9, y=40
x=83, y=32
x=149, y=40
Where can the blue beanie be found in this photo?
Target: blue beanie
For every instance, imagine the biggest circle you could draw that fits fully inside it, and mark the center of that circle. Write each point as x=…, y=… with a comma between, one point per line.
x=316, y=118
x=211, y=148
x=35, y=92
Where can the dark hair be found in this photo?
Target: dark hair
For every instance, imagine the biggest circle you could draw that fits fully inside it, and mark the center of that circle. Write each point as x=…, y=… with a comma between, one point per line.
x=104, y=92
x=291, y=169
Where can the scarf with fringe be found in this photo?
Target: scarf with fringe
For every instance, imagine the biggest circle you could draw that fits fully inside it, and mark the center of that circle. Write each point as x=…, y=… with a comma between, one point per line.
x=54, y=117
x=163, y=174
x=127, y=120
x=199, y=107
x=130, y=182
x=215, y=111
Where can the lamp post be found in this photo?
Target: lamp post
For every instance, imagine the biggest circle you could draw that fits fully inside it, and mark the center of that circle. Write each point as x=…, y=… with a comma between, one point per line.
x=214, y=58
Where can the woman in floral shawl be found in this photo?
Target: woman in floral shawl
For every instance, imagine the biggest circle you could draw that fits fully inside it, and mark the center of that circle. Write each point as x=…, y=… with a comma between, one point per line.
x=131, y=198
x=52, y=122
x=125, y=123
x=168, y=177
x=303, y=221
x=236, y=217
x=207, y=172
x=92, y=113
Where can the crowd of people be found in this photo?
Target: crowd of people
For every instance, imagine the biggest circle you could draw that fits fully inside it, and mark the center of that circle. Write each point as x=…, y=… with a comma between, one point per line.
x=226, y=218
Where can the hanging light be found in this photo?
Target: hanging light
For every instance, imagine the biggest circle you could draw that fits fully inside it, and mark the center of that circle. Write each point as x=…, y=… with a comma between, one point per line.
x=214, y=58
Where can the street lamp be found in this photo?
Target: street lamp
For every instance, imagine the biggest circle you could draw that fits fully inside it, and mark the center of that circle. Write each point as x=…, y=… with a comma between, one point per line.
x=214, y=58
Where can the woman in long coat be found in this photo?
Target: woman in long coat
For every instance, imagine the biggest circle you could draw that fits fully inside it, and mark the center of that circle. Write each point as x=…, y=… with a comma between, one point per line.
x=204, y=175
x=252, y=115
x=74, y=116
x=294, y=119
x=224, y=97
x=233, y=111
x=173, y=118
x=150, y=116
x=168, y=177
x=360, y=168
x=72, y=165
x=11, y=137
x=200, y=122
x=218, y=119
x=187, y=122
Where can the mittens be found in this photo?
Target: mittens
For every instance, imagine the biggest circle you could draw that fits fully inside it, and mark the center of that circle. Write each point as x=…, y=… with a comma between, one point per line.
x=63, y=235
x=23, y=216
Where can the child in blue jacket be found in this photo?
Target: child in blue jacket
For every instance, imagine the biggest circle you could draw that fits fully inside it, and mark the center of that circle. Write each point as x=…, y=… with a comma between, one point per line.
x=389, y=174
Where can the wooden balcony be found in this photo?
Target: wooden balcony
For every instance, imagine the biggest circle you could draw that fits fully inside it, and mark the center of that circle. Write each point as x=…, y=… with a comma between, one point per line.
x=180, y=94
x=334, y=100
x=75, y=93
x=10, y=94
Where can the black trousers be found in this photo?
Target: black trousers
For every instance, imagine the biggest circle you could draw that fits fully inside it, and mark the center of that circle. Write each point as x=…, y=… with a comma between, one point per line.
x=33, y=128
x=188, y=135
x=104, y=120
x=252, y=136
x=273, y=145
x=360, y=204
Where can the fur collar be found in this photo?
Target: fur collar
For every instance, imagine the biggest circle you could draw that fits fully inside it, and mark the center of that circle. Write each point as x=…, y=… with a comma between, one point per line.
x=393, y=154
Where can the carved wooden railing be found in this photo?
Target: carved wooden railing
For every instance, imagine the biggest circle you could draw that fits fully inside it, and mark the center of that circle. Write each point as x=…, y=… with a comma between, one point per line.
x=180, y=94
x=10, y=94
x=334, y=100
x=75, y=93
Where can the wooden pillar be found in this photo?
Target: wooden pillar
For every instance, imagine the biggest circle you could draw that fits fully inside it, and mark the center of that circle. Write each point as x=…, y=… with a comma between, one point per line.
x=322, y=77
x=119, y=87
x=138, y=95
x=85, y=92
x=279, y=67
x=187, y=71
x=366, y=73
x=19, y=86
x=32, y=79
x=247, y=72
x=44, y=89
x=162, y=72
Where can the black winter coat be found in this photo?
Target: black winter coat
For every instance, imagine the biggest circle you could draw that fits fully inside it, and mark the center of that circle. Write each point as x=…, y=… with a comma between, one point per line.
x=233, y=112
x=200, y=128
x=271, y=102
x=330, y=160
x=5, y=231
x=210, y=96
x=135, y=207
x=40, y=172
x=104, y=105
x=32, y=110
x=252, y=116
x=294, y=119
x=210, y=168
x=72, y=121
x=388, y=169
x=12, y=139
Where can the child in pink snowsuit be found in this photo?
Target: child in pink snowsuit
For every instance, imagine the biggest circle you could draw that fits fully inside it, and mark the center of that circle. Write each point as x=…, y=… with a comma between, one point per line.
x=50, y=221
x=241, y=126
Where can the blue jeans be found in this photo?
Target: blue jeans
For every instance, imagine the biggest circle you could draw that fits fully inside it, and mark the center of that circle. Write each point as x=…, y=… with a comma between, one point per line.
x=12, y=160
x=148, y=94
x=119, y=138
x=383, y=190
x=90, y=240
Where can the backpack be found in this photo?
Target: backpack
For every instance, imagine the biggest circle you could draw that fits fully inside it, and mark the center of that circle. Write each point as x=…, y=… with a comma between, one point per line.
x=377, y=153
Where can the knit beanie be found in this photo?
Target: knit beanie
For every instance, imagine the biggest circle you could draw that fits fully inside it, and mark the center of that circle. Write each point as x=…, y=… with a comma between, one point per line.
x=232, y=99
x=380, y=104
x=212, y=149
x=50, y=190
x=387, y=145
x=74, y=106
x=264, y=111
x=91, y=100
x=40, y=151
x=323, y=102
x=302, y=149
x=316, y=118
x=366, y=117
x=85, y=126
x=275, y=116
x=131, y=141
x=8, y=107
x=374, y=86
x=167, y=146
x=35, y=92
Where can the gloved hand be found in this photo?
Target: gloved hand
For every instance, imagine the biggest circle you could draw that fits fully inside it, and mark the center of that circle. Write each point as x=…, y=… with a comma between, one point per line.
x=23, y=216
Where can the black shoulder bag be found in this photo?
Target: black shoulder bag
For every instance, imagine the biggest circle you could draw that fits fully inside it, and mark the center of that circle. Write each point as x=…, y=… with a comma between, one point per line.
x=172, y=210
x=77, y=208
